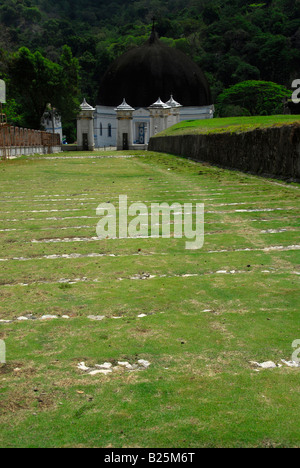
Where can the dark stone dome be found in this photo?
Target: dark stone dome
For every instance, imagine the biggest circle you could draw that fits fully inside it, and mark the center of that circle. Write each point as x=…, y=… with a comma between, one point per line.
x=154, y=70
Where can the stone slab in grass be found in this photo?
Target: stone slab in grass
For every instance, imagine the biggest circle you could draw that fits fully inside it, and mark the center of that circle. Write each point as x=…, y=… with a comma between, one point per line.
x=198, y=317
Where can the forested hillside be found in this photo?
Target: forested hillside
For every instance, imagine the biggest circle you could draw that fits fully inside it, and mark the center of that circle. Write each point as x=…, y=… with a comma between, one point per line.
x=231, y=40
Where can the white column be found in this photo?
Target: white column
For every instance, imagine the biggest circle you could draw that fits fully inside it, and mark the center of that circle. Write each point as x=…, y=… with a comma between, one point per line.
x=159, y=112
x=85, y=126
x=124, y=125
x=174, y=116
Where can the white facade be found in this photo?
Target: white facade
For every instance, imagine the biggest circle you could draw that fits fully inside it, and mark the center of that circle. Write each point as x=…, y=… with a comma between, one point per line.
x=197, y=113
x=106, y=123
x=105, y=126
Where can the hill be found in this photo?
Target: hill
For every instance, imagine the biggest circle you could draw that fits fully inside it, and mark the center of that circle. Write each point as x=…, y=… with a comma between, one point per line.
x=232, y=41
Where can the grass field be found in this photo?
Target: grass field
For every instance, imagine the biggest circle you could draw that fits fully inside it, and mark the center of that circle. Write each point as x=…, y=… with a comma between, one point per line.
x=229, y=124
x=207, y=313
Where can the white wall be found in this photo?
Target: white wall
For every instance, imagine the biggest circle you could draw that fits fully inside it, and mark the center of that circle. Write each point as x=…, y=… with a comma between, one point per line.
x=107, y=115
x=196, y=113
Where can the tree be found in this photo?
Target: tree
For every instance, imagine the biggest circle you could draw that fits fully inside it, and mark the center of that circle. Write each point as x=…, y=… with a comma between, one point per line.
x=67, y=101
x=254, y=98
x=13, y=113
x=35, y=81
x=232, y=40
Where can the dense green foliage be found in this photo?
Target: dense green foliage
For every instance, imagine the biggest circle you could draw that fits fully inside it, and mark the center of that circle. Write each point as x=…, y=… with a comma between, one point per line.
x=232, y=40
x=38, y=81
x=252, y=98
x=34, y=81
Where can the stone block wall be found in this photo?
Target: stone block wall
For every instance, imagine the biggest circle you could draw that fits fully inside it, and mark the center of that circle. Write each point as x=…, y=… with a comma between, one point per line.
x=273, y=151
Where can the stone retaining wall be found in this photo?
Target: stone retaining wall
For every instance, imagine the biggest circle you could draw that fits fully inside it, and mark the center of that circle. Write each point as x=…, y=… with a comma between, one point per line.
x=273, y=151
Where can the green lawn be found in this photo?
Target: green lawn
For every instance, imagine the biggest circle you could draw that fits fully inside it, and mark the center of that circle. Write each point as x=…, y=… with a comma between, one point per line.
x=229, y=124
x=208, y=312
